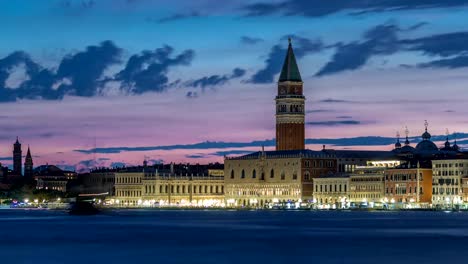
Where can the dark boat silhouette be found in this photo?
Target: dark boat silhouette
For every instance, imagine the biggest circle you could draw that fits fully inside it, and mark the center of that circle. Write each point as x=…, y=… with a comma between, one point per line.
x=83, y=208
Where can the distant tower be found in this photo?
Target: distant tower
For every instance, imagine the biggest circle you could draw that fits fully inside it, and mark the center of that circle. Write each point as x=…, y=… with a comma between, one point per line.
x=407, y=142
x=28, y=165
x=17, y=157
x=398, y=144
x=290, y=102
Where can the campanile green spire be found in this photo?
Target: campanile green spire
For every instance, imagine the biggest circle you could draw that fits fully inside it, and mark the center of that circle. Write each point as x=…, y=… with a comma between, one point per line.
x=290, y=71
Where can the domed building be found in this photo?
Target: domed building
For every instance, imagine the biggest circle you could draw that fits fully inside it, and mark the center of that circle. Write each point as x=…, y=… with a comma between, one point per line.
x=426, y=146
x=425, y=149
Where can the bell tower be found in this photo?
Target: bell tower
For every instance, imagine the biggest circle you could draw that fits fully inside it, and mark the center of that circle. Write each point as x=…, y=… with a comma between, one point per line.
x=290, y=103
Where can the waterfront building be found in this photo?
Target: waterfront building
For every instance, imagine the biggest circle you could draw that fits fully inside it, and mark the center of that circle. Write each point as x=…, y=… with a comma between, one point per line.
x=272, y=177
x=447, y=175
x=409, y=183
x=17, y=157
x=465, y=190
x=50, y=177
x=348, y=160
x=148, y=187
x=426, y=149
x=366, y=186
x=99, y=181
x=332, y=191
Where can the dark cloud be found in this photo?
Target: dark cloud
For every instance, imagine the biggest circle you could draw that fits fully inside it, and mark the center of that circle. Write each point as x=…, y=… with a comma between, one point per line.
x=336, y=123
x=78, y=74
x=148, y=70
x=6, y=158
x=322, y=8
x=176, y=17
x=383, y=40
x=231, y=152
x=330, y=100
x=380, y=40
x=191, y=94
x=320, y=111
x=84, y=69
x=118, y=164
x=449, y=111
x=250, y=40
x=417, y=26
x=82, y=73
x=202, y=145
x=275, y=59
x=439, y=45
x=452, y=63
x=344, y=117
x=196, y=156
x=357, y=141
x=215, y=80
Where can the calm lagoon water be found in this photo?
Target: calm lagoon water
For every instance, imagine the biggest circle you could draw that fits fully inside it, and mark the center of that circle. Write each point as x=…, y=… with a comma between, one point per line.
x=138, y=236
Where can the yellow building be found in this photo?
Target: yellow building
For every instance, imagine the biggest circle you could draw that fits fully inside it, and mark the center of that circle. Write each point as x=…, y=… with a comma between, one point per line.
x=447, y=175
x=149, y=188
x=367, y=186
x=268, y=178
x=331, y=191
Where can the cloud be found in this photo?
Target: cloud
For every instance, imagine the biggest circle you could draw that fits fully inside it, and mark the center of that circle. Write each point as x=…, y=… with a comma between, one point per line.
x=250, y=40
x=275, y=59
x=380, y=40
x=336, y=123
x=83, y=73
x=215, y=80
x=177, y=17
x=320, y=111
x=344, y=117
x=148, y=70
x=439, y=45
x=85, y=68
x=330, y=100
x=118, y=164
x=191, y=94
x=323, y=8
x=356, y=141
x=195, y=156
x=201, y=145
x=81, y=4
x=6, y=158
x=231, y=152
x=452, y=63
x=384, y=40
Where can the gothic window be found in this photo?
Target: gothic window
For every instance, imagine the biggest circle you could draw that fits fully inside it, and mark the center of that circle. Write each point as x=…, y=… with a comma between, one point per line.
x=243, y=174
x=283, y=176
x=263, y=176
x=321, y=164
x=232, y=174
x=254, y=174
x=295, y=176
x=306, y=176
x=272, y=173
x=307, y=164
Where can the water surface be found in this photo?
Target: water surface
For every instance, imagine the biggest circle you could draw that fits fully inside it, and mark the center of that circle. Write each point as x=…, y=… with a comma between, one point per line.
x=139, y=236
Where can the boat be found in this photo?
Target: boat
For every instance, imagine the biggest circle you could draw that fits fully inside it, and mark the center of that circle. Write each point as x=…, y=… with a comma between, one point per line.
x=83, y=208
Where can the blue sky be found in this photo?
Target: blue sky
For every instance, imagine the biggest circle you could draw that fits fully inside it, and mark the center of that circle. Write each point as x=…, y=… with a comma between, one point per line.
x=142, y=73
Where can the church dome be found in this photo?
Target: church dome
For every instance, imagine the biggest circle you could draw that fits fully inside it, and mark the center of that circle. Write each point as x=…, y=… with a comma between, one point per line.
x=407, y=149
x=426, y=146
x=426, y=135
x=398, y=145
